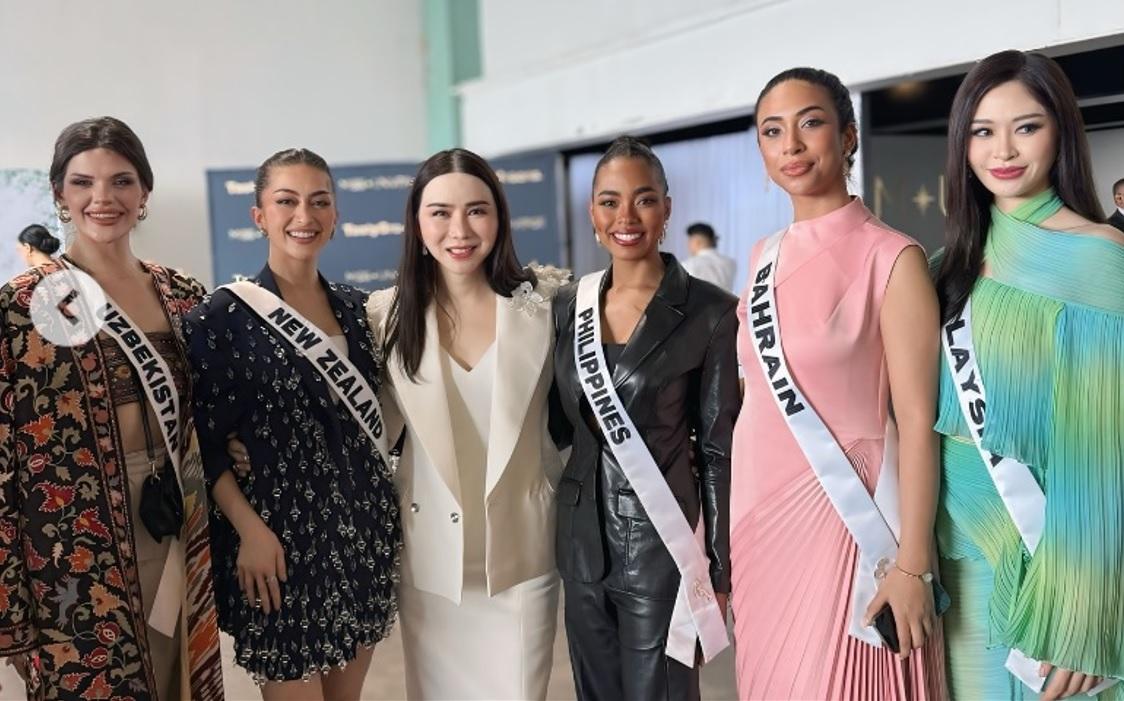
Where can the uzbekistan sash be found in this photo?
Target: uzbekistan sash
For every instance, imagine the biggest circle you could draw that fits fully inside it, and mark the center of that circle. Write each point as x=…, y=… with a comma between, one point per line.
x=160, y=390
x=873, y=522
x=696, y=615
x=313, y=345
x=1022, y=496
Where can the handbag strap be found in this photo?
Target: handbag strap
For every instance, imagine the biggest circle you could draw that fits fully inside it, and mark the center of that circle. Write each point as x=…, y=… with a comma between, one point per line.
x=149, y=448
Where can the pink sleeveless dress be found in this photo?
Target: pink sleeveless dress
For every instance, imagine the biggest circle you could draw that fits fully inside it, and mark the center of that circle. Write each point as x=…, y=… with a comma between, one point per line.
x=792, y=558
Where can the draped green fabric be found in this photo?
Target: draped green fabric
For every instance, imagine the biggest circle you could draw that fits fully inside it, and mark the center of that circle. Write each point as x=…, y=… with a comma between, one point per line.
x=1048, y=326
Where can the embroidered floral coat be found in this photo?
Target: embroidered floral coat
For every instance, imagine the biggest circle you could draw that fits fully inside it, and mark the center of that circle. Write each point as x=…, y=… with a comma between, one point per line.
x=69, y=586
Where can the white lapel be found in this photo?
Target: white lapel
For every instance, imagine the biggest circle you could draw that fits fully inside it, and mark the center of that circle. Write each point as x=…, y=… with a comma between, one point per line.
x=523, y=341
x=425, y=406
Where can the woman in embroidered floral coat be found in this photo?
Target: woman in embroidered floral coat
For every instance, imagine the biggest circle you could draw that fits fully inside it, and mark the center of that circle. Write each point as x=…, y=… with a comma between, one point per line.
x=78, y=570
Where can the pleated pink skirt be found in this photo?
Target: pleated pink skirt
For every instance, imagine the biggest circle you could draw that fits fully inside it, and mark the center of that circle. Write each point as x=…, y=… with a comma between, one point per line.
x=793, y=567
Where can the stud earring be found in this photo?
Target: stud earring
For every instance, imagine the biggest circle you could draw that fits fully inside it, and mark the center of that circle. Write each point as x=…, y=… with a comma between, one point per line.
x=425, y=251
x=263, y=234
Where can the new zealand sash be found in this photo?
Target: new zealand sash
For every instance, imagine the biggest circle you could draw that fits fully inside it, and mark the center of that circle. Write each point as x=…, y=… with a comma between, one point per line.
x=313, y=345
x=873, y=522
x=696, y=615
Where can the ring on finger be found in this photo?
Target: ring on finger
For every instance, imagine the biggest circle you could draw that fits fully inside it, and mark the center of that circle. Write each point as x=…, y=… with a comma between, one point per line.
x=271, y=579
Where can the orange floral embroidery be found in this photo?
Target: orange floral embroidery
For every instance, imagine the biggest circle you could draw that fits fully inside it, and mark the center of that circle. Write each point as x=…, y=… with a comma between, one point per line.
x=40, y=430
x=81, y=559
x=69, y=404
x=84, y=457
x=104, y=601
x=38, y=353
x=99, y=688
x=61, y=653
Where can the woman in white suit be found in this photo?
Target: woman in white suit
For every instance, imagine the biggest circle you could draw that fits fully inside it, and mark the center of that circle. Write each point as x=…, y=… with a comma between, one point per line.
x=468, y=341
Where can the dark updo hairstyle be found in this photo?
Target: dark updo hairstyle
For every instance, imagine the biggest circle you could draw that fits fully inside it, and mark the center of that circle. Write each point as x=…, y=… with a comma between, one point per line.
x=840, y=98
x=288, y=157
x=968, y=202
x=632, y=147
x=39, y=239
x=100, y=132
x=418, y=273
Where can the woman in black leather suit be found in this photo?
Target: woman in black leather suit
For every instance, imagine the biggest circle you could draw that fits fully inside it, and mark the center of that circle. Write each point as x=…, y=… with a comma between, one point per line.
x=669, y=342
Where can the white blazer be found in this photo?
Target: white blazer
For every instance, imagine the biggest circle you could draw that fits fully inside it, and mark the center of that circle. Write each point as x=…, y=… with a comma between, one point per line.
x=523, y=465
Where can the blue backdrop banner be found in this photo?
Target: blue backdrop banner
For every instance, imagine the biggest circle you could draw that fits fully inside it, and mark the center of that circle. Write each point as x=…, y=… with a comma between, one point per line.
x=372, y=202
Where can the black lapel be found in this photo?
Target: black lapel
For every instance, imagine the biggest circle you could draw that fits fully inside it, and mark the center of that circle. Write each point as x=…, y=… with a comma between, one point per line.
x=660, y=319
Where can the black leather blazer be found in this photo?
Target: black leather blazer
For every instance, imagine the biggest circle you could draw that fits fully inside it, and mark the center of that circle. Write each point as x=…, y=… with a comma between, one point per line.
x=676, y=376
x=1117, y=220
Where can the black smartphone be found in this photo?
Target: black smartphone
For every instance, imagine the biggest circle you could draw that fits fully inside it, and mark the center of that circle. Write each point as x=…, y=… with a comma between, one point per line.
x=887, y=627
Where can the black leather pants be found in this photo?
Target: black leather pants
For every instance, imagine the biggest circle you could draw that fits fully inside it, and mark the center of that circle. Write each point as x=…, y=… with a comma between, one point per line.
x=617, y=643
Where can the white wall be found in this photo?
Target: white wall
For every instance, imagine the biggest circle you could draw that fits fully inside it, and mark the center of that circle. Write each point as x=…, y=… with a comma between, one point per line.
x=212, y=84
x=566, y=72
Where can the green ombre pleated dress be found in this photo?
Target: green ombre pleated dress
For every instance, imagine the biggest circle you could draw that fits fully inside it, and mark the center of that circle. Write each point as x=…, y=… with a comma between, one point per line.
x=1048, y=326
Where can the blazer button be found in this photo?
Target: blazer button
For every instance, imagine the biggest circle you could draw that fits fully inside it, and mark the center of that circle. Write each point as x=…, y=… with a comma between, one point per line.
x=455, y=517
x=414, y=507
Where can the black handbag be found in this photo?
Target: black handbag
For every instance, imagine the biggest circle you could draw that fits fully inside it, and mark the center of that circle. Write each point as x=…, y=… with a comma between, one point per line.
x=161, y=502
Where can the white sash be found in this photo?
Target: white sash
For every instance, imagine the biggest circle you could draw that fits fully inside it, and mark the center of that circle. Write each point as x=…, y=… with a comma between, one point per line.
x=696, y=615
x=1021, y=495
x=160, y=389
x=873, y=522
x=311, y=343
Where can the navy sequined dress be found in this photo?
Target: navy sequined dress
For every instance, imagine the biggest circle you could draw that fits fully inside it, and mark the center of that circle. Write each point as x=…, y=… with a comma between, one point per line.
x=316, y=481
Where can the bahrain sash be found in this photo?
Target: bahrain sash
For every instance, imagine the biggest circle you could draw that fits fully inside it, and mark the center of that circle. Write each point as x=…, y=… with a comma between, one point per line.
x=872, y=521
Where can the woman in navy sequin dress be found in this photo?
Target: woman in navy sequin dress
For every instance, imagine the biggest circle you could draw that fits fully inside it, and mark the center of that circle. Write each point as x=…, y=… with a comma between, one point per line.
x=306, y=547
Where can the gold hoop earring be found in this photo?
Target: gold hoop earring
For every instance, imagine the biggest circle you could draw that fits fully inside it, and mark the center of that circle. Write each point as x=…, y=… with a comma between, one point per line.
x=143, y=213
x=63, y=213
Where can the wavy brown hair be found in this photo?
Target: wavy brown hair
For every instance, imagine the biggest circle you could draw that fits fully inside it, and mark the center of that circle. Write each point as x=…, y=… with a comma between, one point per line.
x=418, y=273
x=968, y=202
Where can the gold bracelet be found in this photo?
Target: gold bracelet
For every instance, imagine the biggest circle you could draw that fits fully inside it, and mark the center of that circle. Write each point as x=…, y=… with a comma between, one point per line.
x=926, y=577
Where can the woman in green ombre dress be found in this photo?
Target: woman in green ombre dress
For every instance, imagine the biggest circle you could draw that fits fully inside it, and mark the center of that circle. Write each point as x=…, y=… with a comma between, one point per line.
x=1046, y=291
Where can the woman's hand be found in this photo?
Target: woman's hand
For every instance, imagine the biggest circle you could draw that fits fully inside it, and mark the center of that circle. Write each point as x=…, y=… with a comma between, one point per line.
x=261, y=566
x=911, y=600
x=236, y=449
x=1065, y=682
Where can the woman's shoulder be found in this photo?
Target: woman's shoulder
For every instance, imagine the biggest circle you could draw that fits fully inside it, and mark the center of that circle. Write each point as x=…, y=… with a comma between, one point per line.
x=378, y=304
x=352, y=296
x=549, y=280
x=884, y=237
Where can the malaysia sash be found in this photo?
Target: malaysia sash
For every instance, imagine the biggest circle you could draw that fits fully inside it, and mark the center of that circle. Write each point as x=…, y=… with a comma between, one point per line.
x=1022, y=496
x=696, y=615
x=872, y=521
x=313, y=345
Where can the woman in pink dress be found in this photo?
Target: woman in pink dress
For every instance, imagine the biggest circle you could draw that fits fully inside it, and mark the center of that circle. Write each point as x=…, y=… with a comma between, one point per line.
x=859, y=322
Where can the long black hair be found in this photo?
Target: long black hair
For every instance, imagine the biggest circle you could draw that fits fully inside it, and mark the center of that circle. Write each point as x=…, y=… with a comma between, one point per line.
x=968, y=202
x=39, y=239
x=418, y=274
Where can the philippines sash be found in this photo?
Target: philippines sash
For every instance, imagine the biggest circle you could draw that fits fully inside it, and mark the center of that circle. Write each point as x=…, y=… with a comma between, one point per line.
x=1023, y=498
x=873, y=522
x=312, y=344
x=696, y=615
